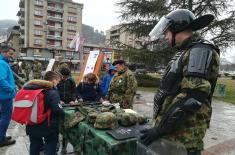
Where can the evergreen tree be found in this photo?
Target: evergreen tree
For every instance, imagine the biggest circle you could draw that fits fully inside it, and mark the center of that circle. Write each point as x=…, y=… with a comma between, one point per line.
x=140, y=16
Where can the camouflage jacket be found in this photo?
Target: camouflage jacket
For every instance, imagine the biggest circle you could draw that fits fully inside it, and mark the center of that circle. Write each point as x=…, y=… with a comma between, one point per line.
x=192, y=131
x=27, y=69
x=37, y=69
x=63, y=65
x=122, y=89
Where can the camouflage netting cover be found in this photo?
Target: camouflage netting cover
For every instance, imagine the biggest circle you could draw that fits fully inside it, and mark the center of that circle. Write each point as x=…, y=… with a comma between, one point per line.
x=78, y=128
x=89, y=113
x=87, y=140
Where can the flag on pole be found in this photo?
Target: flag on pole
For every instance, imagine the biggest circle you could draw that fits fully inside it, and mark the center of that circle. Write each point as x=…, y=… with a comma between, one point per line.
x=77, y=44
x=73, y=42
x=112, y=55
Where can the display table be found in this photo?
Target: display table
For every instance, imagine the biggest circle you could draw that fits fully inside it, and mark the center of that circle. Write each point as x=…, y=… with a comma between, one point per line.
x=87, y=140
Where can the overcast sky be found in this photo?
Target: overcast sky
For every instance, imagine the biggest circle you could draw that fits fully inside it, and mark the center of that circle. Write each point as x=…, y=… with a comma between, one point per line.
x=101, y=14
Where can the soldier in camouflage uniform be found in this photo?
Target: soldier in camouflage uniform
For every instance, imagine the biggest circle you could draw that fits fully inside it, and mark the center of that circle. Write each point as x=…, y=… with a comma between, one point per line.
x=182, y=106
x=37, y=70
x=63, y=65
x=27, y=70
x=123, y=86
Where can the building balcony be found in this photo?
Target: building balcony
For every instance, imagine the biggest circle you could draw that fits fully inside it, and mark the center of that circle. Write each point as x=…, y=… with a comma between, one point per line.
x=22, y=31
x=57, y=1
x=21, y=12
x=21, y=41
x=54, y=37
x=54, y=9
x=38, y=44
x=38, y=3
x=54, y=47
x=21, y=21
x=54, y=28
x=58, y=19
x=21, y=4
x=114, y=34
x=22, y=27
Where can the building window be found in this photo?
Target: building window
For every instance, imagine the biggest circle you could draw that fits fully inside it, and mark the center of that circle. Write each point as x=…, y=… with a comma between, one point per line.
x=58, y=34
x=38, y=2
x=58, y=25
x=57, y=43
x=71, y=36
x=58, y=6
x=72, y=19
x=38, y=32
x=37, y=22
x=72, y=10
x=37, y=41
x=58, y=15
x=38, y=12
x=72, y=27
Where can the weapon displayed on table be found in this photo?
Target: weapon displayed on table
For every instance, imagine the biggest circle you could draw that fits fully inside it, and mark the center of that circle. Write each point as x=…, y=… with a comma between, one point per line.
x=72, y=105
x=79, y=103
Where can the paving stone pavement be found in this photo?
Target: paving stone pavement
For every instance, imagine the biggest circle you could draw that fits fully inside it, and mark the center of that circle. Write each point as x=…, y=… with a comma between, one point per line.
x=219, y=140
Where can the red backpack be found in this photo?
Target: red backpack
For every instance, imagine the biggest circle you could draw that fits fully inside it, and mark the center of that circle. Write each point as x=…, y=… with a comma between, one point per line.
x=29, y=107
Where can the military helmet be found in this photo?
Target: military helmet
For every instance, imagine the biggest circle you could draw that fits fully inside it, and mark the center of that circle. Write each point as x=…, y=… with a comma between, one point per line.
x=127, y=119
x=92, y=117
x=106, y=120
x=178, y=21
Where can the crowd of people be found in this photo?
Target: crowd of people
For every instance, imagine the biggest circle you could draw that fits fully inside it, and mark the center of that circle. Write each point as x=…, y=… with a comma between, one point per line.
x=182, y=105
x=59, y=88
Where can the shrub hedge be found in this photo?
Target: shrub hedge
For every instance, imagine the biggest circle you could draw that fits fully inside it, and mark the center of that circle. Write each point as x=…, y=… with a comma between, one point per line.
x=145, y=80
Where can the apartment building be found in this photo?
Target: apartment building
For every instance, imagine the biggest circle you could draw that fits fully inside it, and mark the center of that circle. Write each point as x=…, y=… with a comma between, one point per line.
x=117, y=37
x=47, y=27
x=13, y=38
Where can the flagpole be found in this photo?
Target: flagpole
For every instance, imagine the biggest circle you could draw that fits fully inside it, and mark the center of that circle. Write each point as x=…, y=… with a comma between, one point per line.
x=81, y=56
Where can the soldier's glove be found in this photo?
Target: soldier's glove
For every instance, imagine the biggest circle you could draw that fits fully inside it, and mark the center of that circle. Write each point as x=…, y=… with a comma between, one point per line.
x=150, y=135
x=159, y=98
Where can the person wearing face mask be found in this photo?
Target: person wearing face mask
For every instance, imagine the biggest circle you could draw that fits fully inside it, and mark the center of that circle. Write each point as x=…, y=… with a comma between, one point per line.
x=7, y=92
x=48, y=131
x=182, y=106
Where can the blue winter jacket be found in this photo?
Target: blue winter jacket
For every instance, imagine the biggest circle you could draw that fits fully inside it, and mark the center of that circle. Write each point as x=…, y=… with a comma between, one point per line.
x=104, y=83
x=7, y=82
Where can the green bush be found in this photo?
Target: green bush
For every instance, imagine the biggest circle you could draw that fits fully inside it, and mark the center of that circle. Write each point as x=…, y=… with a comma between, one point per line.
x=145, y=80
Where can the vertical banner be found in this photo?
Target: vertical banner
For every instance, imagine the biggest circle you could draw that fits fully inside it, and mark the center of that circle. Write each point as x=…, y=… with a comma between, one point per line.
x=90, y=65
x=50, y=65
x=88, y=68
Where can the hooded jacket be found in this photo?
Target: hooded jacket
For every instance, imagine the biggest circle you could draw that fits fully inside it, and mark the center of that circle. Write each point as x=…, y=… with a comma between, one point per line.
x=7, y=82
x=67, y=90
x=104, y=83
x=51, y=101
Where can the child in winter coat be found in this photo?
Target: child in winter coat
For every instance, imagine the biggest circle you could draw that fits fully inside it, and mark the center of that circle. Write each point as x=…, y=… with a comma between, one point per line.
x=48, y=131
x=89, y=90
